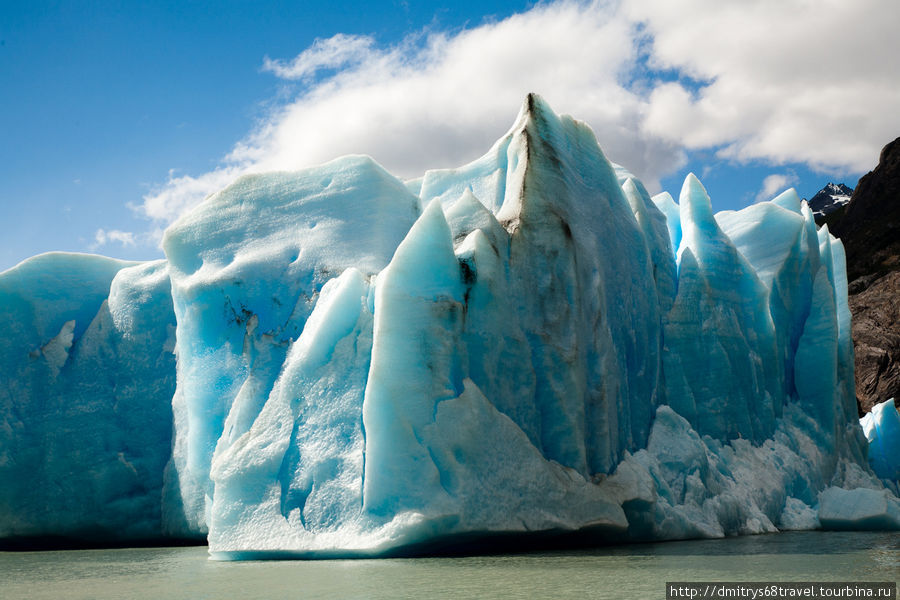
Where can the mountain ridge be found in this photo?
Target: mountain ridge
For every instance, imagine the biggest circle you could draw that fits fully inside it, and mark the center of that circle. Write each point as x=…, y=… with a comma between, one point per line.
x=829, y=199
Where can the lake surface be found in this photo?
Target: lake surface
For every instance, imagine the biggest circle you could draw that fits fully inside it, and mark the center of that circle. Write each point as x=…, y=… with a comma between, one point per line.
x=632, y=571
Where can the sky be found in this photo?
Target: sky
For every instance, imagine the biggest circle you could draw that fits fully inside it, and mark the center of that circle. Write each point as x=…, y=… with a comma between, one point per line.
x=117, y=117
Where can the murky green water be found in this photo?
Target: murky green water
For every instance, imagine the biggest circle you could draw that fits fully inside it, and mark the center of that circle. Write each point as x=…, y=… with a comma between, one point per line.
x=635, y=571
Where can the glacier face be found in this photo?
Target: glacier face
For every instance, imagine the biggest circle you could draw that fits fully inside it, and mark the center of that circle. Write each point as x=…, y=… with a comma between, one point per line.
x=882, y=429
x=247, y=268
x=85, y=400
x=528, y=343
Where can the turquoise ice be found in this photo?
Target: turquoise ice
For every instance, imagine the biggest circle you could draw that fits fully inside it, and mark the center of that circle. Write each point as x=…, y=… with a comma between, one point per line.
x=334, y=362
x=882, y=429
x=85, y=397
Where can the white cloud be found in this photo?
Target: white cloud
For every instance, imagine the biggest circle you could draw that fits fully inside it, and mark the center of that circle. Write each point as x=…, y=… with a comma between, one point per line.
x=334, y=52
x=774, y=80
x=775, y=184
x=103, y=237
x=440, y=99
x=181, y=193
x=788, y=80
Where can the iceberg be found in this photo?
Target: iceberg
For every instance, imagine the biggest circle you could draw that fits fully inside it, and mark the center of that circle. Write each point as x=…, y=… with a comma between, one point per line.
x=334, y=362
x=859, y=509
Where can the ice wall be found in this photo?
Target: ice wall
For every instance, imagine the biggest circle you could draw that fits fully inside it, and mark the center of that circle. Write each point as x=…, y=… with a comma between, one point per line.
x=526, y=344
x=587, y=280
x=541, y=357
x=85, y=397
x=247, y=267
x=882, y=429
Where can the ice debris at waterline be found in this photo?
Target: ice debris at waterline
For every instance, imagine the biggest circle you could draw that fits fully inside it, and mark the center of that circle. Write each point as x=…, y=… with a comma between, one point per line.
x=528, y=343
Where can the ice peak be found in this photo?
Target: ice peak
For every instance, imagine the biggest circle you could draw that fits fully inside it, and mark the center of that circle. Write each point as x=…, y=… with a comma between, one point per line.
x=534, y=109
x=695, y=206
x=469, y=200
x=664, y=199
x=788, y=199
x=539, y=124
x=425, y=259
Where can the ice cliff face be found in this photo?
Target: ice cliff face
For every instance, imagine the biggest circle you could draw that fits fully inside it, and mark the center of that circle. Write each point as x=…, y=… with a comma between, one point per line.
x=85, y=399
x=882, y=429
x=528, y=343
x=247, y=270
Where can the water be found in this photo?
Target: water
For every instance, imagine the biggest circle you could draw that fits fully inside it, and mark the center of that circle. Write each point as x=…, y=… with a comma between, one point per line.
x=634, y=571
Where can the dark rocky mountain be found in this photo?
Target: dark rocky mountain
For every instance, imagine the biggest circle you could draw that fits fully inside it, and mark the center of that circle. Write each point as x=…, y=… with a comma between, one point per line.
x=830, y=198
x=869, y=227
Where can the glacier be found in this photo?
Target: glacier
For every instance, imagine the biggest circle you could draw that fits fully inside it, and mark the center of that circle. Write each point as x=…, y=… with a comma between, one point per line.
x=335, y=362
x=882, y=430
x=85, y=398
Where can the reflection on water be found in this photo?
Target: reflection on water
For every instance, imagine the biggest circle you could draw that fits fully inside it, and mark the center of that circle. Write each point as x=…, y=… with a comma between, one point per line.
x=633, y=571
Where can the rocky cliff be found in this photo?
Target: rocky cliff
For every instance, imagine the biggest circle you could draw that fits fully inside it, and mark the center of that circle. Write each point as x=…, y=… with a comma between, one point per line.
x=869, y=227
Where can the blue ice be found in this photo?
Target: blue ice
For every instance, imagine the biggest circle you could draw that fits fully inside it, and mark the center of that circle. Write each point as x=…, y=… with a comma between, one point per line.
x=334, y=362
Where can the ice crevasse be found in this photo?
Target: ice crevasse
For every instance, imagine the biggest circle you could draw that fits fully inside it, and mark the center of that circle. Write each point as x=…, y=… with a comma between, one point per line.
x=335, y=362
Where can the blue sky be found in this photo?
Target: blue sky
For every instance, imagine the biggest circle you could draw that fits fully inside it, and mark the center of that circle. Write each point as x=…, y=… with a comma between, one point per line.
x=116, y=117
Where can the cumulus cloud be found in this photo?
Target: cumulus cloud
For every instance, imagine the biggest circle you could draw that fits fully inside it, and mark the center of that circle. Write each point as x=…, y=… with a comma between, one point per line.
x=440, y=99
x=182, y=192
x=779, y=81
x=775, y=184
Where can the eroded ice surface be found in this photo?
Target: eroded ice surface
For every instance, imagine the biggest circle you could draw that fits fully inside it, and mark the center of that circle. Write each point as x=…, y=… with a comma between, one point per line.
x=527, y=343
x=882, y=429
x=247, y=267
x=85, y=400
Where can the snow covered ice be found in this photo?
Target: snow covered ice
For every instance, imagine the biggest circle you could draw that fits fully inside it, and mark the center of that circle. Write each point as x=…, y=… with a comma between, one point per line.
x=528, y=343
